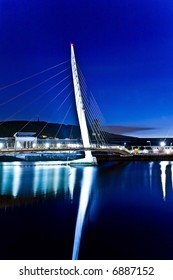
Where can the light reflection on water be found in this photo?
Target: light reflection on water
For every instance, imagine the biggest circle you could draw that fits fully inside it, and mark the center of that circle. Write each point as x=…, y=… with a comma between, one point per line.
x=72, y=179
x=111, y=186
x=50, y=179
x=163, y=166
x=87, y=181
x=19, y=180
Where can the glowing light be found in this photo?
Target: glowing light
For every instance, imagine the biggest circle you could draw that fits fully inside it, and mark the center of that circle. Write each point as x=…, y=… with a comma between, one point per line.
x=162, y=144
x=155, y=150
x=1, y=145
x=47, y=145
x=34, y=145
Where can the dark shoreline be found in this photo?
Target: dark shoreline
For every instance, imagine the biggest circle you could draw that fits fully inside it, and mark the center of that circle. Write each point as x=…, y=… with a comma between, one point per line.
x=101, y=158
x=136, y=157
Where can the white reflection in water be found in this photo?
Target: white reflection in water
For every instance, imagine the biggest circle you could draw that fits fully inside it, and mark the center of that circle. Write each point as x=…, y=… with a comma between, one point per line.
x=72, y=179
x=163, y=165
x=47, y=179
x=11, y=179
x=66, y=180
x=51, y=179
x=16, y=179
x=87, y=180
x=7, y=178
x=37, y=176
x=56, y=181
x=150, y=173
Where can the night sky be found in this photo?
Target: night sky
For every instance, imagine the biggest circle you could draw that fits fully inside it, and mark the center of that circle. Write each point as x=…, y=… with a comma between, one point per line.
x=124, y=49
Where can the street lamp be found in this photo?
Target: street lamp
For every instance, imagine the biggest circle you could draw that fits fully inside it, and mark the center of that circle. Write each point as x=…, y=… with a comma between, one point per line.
x=47, y=145
x=162, y=144
x=149, y=142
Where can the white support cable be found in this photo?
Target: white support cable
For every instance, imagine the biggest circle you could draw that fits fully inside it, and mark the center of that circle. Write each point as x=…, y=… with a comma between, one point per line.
x=37, y=98
x=71, y=131
x=85, y=98
x=100, y=116
x=32, y=76
x=64, y=119
x=52, y=101
x=83, y=81
x=78, y=101
x=30, y=89
x=91, y=111
x=90, y=116
x=88, y=91
x=56, y=111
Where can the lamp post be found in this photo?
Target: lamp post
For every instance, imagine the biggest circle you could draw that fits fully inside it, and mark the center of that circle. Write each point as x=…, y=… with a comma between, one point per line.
x=162, y=144
x=149, y=142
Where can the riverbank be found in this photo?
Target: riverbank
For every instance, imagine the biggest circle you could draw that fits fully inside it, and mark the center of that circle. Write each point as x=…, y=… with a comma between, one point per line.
x=100, y=158
x=135, y=157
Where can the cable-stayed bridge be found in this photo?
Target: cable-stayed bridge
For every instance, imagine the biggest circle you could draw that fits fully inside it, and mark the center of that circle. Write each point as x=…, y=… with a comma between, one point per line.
x=65, y=90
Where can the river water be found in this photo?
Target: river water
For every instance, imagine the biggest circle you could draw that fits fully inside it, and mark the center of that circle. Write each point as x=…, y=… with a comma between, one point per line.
x=113, y=211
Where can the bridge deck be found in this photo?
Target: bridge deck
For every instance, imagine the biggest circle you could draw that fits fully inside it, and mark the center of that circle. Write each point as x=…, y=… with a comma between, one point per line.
x=122, y=151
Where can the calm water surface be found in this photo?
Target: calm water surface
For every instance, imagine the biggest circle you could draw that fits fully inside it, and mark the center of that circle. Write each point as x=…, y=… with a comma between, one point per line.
x=114, y=211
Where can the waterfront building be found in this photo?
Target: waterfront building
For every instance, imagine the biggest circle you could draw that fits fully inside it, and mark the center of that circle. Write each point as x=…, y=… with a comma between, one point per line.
x=25, y=139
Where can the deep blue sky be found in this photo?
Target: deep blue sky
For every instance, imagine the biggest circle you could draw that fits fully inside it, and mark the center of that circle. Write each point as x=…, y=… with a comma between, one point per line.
x=124, y=48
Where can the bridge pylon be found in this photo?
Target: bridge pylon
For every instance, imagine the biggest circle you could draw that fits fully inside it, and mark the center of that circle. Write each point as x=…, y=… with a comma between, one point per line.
x=89, y=159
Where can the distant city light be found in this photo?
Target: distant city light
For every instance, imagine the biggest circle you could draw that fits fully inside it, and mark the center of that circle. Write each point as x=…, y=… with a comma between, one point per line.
x=155, y=150
x=162, y=144
x=47, y=145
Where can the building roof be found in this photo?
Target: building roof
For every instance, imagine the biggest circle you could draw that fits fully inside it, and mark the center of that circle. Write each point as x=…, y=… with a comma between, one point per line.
x=25, y=134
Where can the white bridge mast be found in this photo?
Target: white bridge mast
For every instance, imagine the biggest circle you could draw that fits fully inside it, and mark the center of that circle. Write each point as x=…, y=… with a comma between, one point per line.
x=81, y=112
